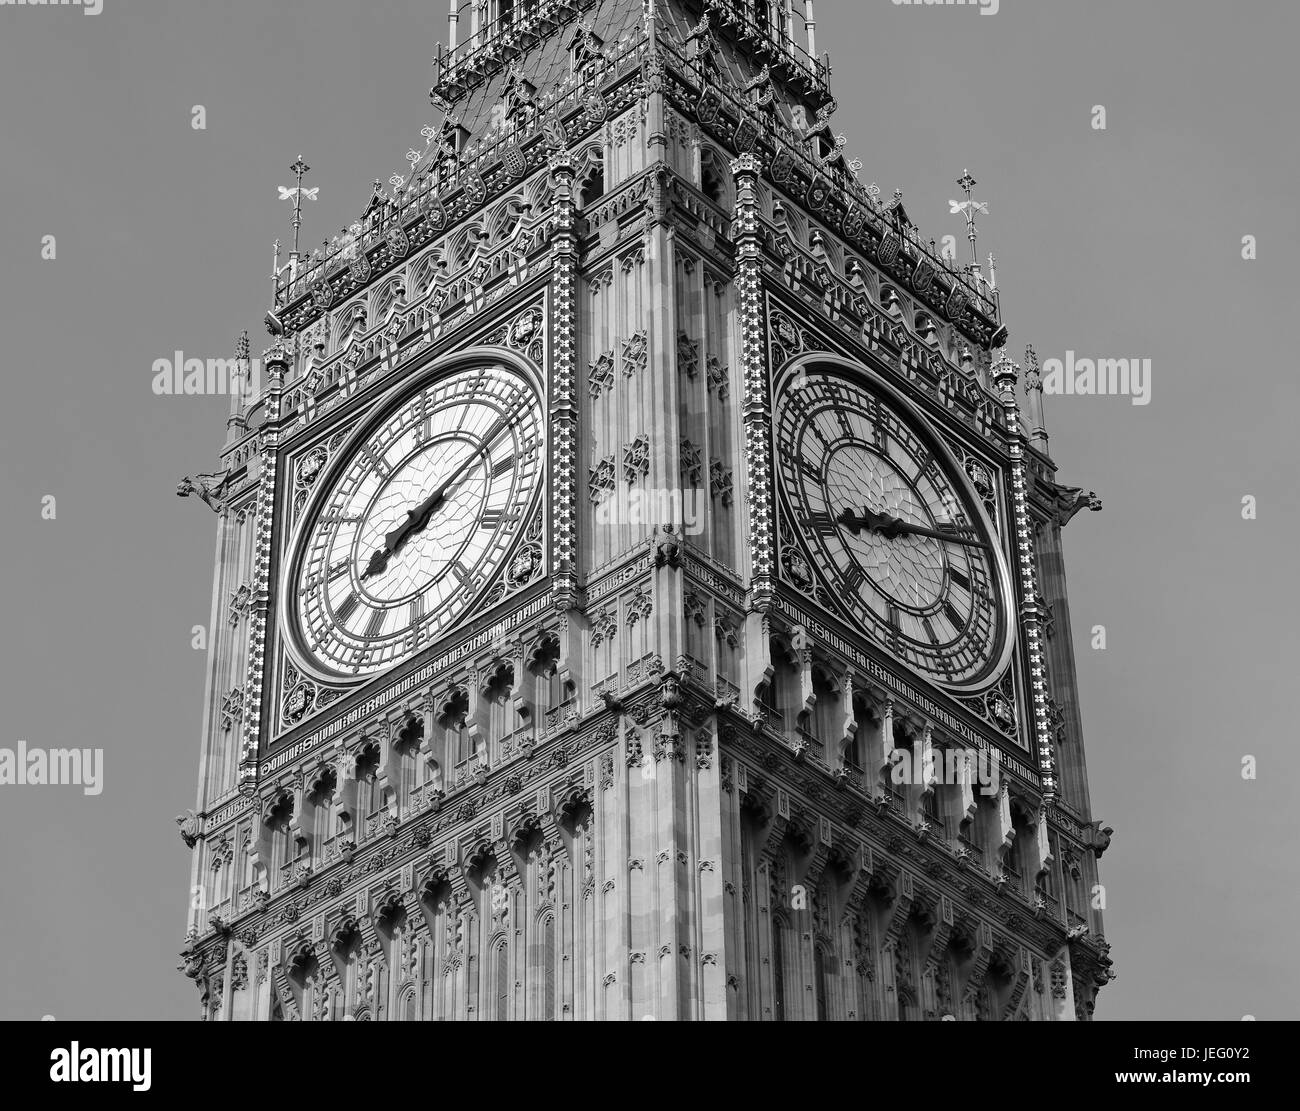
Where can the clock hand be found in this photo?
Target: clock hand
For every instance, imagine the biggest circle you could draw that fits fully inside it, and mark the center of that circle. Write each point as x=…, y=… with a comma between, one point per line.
x=417, y=519
x=893, y=527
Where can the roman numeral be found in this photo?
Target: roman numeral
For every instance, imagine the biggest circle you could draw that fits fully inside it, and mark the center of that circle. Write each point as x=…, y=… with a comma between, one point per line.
x=822, y=523
x=341, y=519
x=811, y=468
x=504, y=467
x=346, y=609
x=375, y=623
x=929, y=631
x=894, y=620
x=853, y=579
x=460, y=571
x=417, y=611
x=380, y=463
x=950, y=612
x=314, y=581
x=960, y=579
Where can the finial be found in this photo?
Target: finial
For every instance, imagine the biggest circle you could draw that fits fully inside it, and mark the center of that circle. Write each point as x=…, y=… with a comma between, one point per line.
x=296, y=194
x=1033, y=372
x=969, y=208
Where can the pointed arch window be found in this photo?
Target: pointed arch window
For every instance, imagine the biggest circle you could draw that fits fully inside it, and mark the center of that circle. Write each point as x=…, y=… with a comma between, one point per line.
x=501, y=981
x=457, y=743
x=548, y=968
x=778, y=970
x=370, y=800
x=585, y=51
x=822, y=983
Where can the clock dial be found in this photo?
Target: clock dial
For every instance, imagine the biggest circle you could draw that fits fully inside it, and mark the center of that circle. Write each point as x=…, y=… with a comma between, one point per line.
x=421, y=514
x=895, y=535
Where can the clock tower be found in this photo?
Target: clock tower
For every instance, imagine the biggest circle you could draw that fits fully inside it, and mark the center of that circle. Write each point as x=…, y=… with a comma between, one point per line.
x=639, y=587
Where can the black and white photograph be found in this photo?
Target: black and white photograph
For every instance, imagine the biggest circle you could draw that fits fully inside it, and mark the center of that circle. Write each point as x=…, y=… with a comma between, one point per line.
x=649, y=511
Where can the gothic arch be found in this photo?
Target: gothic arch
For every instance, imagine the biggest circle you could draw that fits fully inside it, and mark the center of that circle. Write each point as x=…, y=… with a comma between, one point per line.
x=385, y=297
x=407, y=1004
x=715, y=177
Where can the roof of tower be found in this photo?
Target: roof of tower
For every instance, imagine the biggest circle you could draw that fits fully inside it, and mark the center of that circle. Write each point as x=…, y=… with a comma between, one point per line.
x=539, y=47
x=536, y=79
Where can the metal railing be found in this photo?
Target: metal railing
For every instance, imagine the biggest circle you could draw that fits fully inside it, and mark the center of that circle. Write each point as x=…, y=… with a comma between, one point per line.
x=295, y=279
x=488, y=41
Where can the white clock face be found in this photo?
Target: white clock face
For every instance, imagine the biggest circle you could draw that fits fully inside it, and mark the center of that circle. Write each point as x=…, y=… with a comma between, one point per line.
x=419, y=518
x=897, y=541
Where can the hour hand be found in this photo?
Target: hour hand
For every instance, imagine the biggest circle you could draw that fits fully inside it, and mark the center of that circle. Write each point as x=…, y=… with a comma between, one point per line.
x=856, y=522
x=378, y=563
x=893, y=527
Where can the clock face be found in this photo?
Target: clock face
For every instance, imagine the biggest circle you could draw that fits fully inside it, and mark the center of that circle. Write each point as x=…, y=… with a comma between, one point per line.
x=417, y=519
x=896, y=537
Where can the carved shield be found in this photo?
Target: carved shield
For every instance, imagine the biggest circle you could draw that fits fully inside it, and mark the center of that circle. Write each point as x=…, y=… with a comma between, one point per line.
x=595, y=107
x=890, y=245
x=746, y=134
x=553, y=132
x=819, y=192
x=475, y=187
x=398, y=243
x=783, y=167
x=435, y=213
x=958, y=299
x=709, y=105
x=513, y=158
x=322, y=294
x=923, y=276
x=359, y=270
x=855, y=219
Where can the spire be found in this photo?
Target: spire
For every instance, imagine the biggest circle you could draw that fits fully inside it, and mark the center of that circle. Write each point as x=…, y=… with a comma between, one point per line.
x=296, y=194
x=1034, y=400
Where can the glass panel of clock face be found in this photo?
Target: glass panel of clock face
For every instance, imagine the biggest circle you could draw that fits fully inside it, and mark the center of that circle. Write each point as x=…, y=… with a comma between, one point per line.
x=933, y=602
x=420, y=519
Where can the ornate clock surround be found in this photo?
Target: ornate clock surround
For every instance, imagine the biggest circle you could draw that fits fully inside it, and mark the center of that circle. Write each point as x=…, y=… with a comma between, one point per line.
x=339, y=440
x=863, y=366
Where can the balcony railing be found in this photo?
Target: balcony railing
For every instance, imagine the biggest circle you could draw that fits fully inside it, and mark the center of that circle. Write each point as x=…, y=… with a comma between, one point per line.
x=812, y=745
x=976, y=851
x=938, y=827
x=983, y=297
x=772, y=720
x=766, y=40
x=897, y=796
x=482, y=49
x=295, y=279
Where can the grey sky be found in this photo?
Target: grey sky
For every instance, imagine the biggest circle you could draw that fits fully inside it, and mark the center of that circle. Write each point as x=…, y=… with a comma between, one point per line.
x=1119, y=243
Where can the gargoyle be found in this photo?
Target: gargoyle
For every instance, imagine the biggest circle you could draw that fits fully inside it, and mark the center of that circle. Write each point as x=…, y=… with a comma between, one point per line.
x=1071, y=500
x=211, y=488
x=191, y=825
x=1097, y=838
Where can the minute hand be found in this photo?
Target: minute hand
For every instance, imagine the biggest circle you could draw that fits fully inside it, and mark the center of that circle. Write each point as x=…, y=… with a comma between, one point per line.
x=417, y=519
x=891, y=527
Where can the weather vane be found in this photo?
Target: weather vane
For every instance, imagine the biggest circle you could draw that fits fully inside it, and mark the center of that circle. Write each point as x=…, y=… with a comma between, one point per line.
x=969, y=208
x=296, y=194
